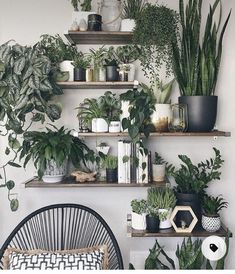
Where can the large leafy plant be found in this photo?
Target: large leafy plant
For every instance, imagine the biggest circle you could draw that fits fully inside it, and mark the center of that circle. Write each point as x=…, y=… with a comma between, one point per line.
x=194, y=179
x=197, y=63
x=26, y=92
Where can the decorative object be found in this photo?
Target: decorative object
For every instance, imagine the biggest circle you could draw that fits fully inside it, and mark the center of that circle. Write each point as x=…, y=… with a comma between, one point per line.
x=159, y=168
x=111, y=14
x=138, y=215
x=155, y=40
x=192, y=180
x=83, y=25
x=80, y=62
x=188, y=228
x=111, y=164
x=132, y=10
x=197, y=72
x=190, y=255
x=211, y=207
x=94, y=22
x=74, y=26
x=103, y=148
x=83, y=177
x=179, y=118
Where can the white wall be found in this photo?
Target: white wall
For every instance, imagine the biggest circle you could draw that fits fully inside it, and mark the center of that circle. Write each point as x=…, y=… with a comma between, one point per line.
x=25, y=21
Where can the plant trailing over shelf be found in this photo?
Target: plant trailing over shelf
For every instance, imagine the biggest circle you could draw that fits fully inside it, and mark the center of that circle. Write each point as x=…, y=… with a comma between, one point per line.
x=127, y=54
x=139, y=206
x=194, y=179
x=213, y=205
x=85, y=5
x=197, y=72
x=26, y=92
x=190, y=254
x=57, y=145
x=155, y=39
x=132, y=9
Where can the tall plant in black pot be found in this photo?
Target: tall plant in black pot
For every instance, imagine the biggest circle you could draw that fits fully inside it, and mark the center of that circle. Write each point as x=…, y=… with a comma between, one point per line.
x=196, y=63
x=111, y=164
x=192, y=180
x=81, y=62
x=111, y=63
x=152, y=217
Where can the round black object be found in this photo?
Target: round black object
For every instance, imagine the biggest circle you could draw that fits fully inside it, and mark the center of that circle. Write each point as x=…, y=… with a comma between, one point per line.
x=94, y=22
x=202, y=112
x=192, y=200
x=152, y=224
x=112, y=73
x=111, y=175
x=79, y=74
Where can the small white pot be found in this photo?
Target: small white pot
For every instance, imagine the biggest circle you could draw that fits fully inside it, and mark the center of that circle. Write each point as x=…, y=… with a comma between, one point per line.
x=104, y=150
x=67, y=66
x=99, y=125
x=166, y=223
x=211, y=223
x=161, y=117
x=138, y=221
x=115, y=126
x=159, y=172
x=128, y=25
x=125, y=113
x=54, y=173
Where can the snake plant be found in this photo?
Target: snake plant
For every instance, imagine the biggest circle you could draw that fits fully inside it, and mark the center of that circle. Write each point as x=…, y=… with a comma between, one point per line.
x=196, y=64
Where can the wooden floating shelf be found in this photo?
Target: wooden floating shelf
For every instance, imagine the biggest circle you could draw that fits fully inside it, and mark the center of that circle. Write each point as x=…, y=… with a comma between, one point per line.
x=35, y=183
x=155, y=134
x=99, y=37
x=96, y=85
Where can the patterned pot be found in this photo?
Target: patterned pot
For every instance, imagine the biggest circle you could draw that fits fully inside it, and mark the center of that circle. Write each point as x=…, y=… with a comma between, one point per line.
x=54, y=173
x=211, y=223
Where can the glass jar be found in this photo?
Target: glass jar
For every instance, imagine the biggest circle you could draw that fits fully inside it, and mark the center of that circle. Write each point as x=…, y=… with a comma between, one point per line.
x=179, y=118
x=111, y=15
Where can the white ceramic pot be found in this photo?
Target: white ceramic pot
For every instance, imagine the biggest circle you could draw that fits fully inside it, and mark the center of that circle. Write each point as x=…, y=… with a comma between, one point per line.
x=54, y=173
x=104, y=150
x=138, y=221
x=130, y=71
x=102, y=74
x=99, y=125
x=81, y=15
x=66, y=66
x=127, y=25
x=161, y=117
x=211, y=223
x=115, y=126
x=125, y=113
x=165, y=223
x=159, y=172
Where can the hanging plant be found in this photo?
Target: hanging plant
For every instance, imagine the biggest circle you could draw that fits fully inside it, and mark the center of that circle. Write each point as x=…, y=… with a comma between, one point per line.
x=26, y=92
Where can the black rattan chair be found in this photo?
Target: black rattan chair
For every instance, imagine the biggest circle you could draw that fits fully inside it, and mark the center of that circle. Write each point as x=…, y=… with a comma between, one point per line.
x=64, y=227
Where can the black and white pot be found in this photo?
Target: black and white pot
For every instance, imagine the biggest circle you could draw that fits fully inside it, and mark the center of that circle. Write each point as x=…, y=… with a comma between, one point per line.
x=79, y=74
x=152, y=224
x=54, y=173
x=112, y=74
x=192, y=200
x=202, y=112
x=211, y=223
x=138, y=221
x=111, y=175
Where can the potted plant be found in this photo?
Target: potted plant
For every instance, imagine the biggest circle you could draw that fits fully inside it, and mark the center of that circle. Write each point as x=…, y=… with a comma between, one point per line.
x=166, y=202
x=103, y=148
x=92, y=112
x=50, y=150
x=161, y=117
x=111, y=164
x=111, y=65
x=80, y=62
x=126, y=55
x=197, y=72
x=98, y=57
x=138, y=214
x=191, y=182
x=211, y=207
x=155, y=39
x=159, y=168
x=152, y=217
x=132, y=10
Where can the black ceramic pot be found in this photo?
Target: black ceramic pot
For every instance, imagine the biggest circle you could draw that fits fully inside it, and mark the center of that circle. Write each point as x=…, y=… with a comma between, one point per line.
x=152, y=224
x=111, y=175
x=202, y=112
x=94, y=22
x=79, y=74
x=192, y=200
x=112, y=73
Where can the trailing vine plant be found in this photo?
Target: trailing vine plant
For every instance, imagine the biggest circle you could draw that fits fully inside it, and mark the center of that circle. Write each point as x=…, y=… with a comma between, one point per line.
x=26, y=91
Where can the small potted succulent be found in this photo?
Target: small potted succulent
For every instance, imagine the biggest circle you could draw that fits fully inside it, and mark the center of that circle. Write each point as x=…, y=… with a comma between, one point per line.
x=111, y=165
x=111, y=64
x=138, y=215
x=80, y=62
x=211, y=207
x=103, y=148
x=152, y=217
x=159, y=168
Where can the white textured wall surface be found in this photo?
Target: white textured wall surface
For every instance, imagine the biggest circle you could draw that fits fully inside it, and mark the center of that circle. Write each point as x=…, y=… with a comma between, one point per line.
x=24, y=21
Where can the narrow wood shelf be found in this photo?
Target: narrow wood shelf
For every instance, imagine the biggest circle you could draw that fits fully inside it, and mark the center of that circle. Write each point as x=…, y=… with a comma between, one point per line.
x=99, y=37
x=35, y=183
x=160, y=134
x=96, y=85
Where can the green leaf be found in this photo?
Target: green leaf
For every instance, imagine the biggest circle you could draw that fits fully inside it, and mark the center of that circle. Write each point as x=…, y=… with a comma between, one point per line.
x=19, y=65
x=14, y=144
x=34, y=82
x=14, y=164
x=10, y=184
x=7, y=151
x=14, y=204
